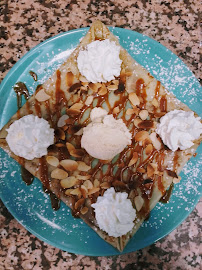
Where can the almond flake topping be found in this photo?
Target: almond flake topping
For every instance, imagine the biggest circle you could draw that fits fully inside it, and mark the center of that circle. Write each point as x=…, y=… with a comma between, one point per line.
x=59, y=174
x=52, y=161
x=134, y=99
x=41, y=96
x=69, y=164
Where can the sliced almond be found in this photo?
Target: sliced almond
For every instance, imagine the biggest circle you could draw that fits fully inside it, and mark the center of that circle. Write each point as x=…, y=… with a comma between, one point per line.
x=69, y=164
x=134, y=99
x=137, y=121
x=89, y=100
x=60, y=145
x=84, y=210
x=70, y=147
x=155, y=141
x=105, y=185
x=143, y=114
x=95, y=86
x=68, y=191
x=62, y=120
x=52, y=161
x=59, y=174
x=41, y=96
x=79, y=203
x=133, y=159
x=103, y=90
x=116, y=82
x=150, y=170
x=76, y=192
x=141, y=135
x=130, y=111
x=148, y=149
x=112, y=87
x=78, y=153
x=79, y=133
x=69, y=78
x=116, y=110
x=84, y=191
x=141, y=170
x=118, y=183
x=83, y=79
x=88, y=184
x=93, y=190
x=83, y=177
x=96, y=183
x=176, y=180
x=155, y=102
x=75, y=109
x=138, y=200
x=60, y=133
x=83, y=167
x=68, y=182
x=146, y=142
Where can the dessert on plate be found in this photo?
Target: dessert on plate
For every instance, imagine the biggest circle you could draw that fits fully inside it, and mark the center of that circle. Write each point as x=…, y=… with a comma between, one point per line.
x=104, y=136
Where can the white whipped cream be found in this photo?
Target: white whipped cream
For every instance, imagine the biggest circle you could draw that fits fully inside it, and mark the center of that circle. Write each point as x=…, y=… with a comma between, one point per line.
x=30, y=136
x=178, y=129
x=114, y=213
x=105, y=137
x=100, y=61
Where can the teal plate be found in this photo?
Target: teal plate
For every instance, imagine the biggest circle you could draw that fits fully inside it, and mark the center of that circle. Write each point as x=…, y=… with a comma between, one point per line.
x=31, y=206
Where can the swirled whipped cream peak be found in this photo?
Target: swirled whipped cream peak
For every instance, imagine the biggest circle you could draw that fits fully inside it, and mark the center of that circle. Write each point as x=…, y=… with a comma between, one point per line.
x=105, y=137
x=100, y=61
x=114, y=213
x=30, y=136
x=178, y=129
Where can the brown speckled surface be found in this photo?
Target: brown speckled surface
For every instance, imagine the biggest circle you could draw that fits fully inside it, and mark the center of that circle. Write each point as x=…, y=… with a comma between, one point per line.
x=23, y=25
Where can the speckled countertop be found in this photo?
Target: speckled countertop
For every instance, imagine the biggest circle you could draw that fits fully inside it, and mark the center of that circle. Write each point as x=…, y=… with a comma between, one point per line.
x=24, y=24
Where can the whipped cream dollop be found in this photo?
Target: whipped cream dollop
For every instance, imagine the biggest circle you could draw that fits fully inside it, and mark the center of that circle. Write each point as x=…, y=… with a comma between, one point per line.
x=105, y=137
x=178, y=129
x=30, y=136
x=100, y=61
x=114, y=213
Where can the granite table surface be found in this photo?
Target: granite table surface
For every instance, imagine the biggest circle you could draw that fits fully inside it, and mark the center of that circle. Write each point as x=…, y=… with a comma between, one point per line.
x=23, y=25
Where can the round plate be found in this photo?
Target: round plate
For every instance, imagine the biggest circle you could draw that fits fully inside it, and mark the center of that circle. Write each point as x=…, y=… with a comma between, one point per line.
x=31, y=206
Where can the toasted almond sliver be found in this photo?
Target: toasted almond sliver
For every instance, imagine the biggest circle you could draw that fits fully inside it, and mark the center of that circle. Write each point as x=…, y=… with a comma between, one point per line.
x=105, y=185
x=138, y=200
x=88, y=184
x=141, y=170
x=62, y=120
x=150, y=170
x=137, y=121
x=116, y=82
x=68, y=191
x=68, y=182
x=83, y=177
x=52, y=161
x=89, y=100
x=141, y=135
x=79, y=133
x=59, y=174
x=96, y=183
x=42, y=96
x=155, y=141
x=95, y=86
x=103, y=90
x=82, y=166
x=148, y=149
x=84, y=210
x=176, y=180
x=70, y=147
x=60, y=133
x=60, y=145
x=79, y=203
x=112, y=87
x=143, y=114
x=78, y=153
x=75, y=109
x=69, y=78
x=116, y=110
x=69, y=164
x=84, y=191
x=130, y=111
x=134, y=99
x=93, y=190
x=118, y=183
x=155, y=102
x=133, y=159
x=76, y=192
